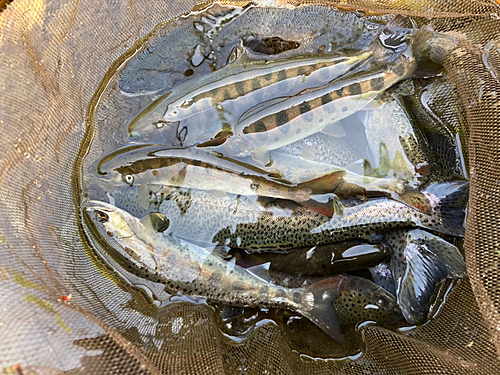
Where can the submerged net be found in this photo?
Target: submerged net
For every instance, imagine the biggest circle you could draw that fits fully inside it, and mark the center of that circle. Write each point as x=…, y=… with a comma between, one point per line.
x=53, y=58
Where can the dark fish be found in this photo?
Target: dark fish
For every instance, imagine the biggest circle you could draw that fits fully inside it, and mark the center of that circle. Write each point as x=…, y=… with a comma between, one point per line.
x=419, y=262
x=321, y=260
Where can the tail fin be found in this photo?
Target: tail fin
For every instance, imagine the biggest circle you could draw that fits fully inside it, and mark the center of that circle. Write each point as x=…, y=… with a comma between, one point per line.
x=419, y=267
x=320, y=310
x=451, y=200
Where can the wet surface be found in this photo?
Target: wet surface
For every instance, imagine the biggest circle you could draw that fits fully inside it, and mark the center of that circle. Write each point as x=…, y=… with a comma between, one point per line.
x=306, y=153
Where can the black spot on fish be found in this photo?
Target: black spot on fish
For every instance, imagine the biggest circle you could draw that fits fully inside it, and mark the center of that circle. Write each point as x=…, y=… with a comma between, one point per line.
x=327, y=98
x=297, y=298
x=268, y=76
x=260, y=126
x=256, y=84
x=340, y=92
x=304, y=107
x=377, y=83
x=281, y=118
x=355, y=89
x=399, y=70
x=282, y=75
x=280, y=293
x=240, y=88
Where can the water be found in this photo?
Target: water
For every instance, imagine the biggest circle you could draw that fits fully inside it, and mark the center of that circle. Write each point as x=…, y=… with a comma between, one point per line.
x=167, y=114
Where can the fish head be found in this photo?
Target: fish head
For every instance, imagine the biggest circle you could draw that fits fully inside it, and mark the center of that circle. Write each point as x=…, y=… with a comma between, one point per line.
x=109, y=218
x=125, y=233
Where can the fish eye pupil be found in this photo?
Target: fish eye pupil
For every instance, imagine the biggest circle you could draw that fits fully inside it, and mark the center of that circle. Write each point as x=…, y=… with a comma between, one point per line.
x=101, y=216
x=129, y=179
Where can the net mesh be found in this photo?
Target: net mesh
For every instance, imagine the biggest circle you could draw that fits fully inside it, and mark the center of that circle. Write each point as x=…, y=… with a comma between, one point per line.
x=53, y=55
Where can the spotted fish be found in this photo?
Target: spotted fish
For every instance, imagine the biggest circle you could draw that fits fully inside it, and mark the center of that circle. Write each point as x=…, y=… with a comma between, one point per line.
x=198, y=271
x=239, y=222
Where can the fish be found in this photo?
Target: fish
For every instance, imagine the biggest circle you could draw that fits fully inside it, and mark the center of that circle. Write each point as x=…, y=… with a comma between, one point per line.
x=356, y=303
x=302, y=115
x=299, y=169
x=320, y=260
x=322, y=148
x=198, y=271
x=206, y=171
x=194, y=112
x=207, y=109
x=419, y=262
x=438, y=110
x=240, y=222
x=397, y=142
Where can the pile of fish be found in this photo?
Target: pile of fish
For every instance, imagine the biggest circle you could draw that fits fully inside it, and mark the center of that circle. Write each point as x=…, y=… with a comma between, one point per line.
x=254, y=187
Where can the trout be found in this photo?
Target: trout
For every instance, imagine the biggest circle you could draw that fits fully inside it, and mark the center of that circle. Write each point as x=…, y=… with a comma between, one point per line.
x=197, y=111
x=303, y=115
x=205, y=170
x=239, y=222
x=198, y=271
x=198, y=169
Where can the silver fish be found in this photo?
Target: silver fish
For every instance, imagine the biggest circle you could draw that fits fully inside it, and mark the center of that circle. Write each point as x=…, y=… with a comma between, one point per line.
x=240, y=222
x=303, y=115
x=217, y=100
x=195, y=270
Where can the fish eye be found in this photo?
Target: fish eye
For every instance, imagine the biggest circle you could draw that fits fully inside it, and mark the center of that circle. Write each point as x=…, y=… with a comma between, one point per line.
x=129, y=179
x=101, y=216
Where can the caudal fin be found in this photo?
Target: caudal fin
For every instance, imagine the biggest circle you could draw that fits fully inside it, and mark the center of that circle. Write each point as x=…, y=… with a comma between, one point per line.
x=419, y=267
x=451, y=200
x=320, y=310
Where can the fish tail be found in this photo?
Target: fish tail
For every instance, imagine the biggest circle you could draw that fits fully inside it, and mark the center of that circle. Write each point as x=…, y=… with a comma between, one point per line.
x=318, y=306
x=451, y=200
x=429, y=49
x=425, y=262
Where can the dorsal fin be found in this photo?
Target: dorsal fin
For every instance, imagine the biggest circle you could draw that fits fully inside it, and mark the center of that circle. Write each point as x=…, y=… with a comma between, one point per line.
x=261, y=271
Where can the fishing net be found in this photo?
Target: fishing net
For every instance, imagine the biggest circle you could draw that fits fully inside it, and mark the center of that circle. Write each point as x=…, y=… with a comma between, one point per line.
x=54, y=55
